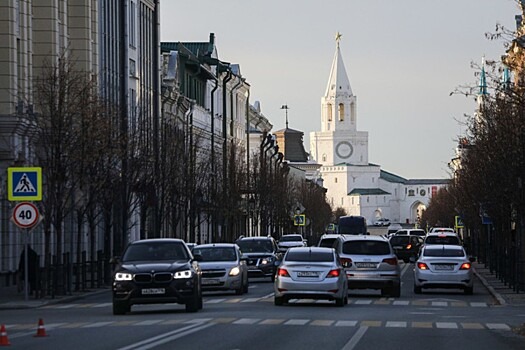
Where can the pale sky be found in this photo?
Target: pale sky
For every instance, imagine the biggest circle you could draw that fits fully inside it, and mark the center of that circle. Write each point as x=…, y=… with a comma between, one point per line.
x=402, y=57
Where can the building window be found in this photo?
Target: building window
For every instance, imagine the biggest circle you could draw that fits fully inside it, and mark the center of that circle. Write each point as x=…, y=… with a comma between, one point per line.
x=132, y=68
x=341, y=112
x=342, y=201
x=336, y=180
x=324, y=157
x=368, y=199
x=329, y=112
x=132, y=24
x=410, y=193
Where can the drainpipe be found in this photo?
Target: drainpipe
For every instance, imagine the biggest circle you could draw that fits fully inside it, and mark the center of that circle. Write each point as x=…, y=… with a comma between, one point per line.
x=224, y=145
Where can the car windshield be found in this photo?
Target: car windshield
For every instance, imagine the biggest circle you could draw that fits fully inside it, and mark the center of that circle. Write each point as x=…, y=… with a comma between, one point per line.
x=255, y=246
x=291, y=238
x=302, y=256
x=366, y=248
x=442, y=240
x=444, y=252
x=216, y=253
x=399, y=240
x=156, y=251
x=327, y=242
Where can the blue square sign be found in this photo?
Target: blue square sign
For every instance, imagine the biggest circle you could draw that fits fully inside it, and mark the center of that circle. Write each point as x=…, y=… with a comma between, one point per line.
x=24, y=184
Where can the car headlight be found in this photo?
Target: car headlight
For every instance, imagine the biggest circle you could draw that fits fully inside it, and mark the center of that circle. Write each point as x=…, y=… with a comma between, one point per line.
x=235, y=271
x=182, y=274
x=123, y=276
x=266, y=261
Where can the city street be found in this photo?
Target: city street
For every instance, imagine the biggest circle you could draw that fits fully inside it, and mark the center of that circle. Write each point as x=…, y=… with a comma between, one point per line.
x=432, y=320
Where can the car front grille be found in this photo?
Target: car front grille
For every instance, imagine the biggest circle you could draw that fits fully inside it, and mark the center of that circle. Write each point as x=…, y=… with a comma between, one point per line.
x=213, y=273
x=161, y=277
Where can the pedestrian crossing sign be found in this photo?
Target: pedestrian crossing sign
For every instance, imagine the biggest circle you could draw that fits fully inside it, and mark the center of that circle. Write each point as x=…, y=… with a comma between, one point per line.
x=299, y=220
x=24, y=184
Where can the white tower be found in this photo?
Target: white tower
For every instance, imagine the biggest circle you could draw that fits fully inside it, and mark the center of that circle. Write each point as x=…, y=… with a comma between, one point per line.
x=339, y=141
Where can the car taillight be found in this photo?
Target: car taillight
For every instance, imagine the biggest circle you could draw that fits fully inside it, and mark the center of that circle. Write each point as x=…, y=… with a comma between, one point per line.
x=334, y=273
x=283, y=273
x=346, y=262
x=390, y=261
x=422, y=266
x=409, y=246
x=465, y=266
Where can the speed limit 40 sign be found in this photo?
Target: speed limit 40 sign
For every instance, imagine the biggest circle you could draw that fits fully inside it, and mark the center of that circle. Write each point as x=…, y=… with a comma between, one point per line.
x=25, y=215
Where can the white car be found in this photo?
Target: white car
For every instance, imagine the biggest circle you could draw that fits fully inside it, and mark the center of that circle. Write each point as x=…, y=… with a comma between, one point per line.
x=443, y=266
x=382, y=222
x=291, y=240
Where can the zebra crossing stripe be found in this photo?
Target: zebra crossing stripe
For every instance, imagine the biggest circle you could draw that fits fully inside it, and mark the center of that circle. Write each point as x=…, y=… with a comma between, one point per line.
x=272, y=321
x=247, y=321
x=422, y=325
x=371, y=323
x=296, y=322
x=396, y=324
x=467, y=325
x=322, y=322
x=446, y=325
x=499, y=326
x=345, y=323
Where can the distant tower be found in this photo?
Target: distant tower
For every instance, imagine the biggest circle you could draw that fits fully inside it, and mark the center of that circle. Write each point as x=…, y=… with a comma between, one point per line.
x=339, y=141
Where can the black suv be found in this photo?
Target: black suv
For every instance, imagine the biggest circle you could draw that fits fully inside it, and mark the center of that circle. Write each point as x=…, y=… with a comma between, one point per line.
x=262, y=255
x=153, y=271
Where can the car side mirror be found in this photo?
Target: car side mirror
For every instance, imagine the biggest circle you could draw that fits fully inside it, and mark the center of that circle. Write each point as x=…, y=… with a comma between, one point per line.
x=197, y=257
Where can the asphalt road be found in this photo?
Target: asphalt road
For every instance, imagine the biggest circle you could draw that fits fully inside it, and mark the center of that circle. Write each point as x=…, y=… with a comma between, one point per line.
x=432, y=320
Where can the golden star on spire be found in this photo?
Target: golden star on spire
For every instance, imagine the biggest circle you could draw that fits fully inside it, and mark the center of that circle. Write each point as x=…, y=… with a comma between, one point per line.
x=338, y=38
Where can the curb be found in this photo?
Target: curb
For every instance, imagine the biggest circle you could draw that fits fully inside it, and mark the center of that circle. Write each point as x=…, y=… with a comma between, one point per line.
x=500, y=300
x=33, y=304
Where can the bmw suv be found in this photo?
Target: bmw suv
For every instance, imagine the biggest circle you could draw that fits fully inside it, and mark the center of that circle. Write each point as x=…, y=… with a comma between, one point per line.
x=156, y=271
x=262, y=255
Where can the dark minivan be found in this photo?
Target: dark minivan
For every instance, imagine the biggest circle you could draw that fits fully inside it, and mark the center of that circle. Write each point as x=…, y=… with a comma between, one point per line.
x=352, y=225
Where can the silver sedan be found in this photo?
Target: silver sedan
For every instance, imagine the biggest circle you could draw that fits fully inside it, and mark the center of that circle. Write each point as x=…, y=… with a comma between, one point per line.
x=311, y=273
x=223, y=267
x=443, y=266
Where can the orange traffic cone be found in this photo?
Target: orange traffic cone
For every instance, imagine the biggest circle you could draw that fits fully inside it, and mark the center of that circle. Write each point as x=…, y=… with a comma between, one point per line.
x=41, y=331
x=3, y=337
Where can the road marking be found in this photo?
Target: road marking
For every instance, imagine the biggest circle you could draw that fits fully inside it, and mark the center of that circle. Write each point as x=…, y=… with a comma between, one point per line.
x=199, y=320
x=396, y=324
x=478, y=304
x=371, y=323
x=346, y=323
x=296, y=322
x=363, y=302
x=401, y=302
x=355, y=339
x=467, y=325
x=247, y=321
x=214, y=301
x=500, y=326
x=439, y=303
x=97, y=324
x=322, y=322
x=147, y=322
x=272, y=321
x=167, y=337
x=446, y=325
x=250, y=300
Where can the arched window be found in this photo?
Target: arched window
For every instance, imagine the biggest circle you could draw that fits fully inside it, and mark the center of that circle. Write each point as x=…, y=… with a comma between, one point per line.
x=324, y=157
x=329, y=112
x=341, y=112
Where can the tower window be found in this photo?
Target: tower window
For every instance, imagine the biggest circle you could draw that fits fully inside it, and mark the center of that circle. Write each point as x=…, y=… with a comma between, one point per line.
x=336, y=180
x=341, y=112
x=329, y=112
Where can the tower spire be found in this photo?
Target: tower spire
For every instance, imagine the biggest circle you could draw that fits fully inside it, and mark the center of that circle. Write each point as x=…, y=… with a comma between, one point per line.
x=483, y=79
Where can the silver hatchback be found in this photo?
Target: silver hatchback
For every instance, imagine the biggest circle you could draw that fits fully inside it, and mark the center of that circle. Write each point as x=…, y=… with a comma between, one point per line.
x=312, y=273
x=370, y=263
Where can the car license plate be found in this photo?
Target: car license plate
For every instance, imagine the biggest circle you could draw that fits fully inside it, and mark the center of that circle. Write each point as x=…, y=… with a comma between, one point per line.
x=444, y=267
x=149, y=291
x=307, y=274
x=366, y=265
x=206, y=281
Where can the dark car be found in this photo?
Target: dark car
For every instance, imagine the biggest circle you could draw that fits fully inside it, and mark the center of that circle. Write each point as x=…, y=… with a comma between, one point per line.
x=156, y=271
x=262, y=256
x=406, y=246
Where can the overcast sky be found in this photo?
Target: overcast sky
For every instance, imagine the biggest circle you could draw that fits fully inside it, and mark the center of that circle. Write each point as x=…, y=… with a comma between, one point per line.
x=403, y=58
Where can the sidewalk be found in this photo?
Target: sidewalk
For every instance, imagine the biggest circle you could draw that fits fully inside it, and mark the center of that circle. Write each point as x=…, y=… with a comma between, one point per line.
x=10, y=298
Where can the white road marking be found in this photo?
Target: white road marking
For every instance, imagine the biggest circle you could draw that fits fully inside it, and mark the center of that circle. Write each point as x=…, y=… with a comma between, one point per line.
x=446, y=325
x=396, y=324
x=355, y=339
x=296, y=322
x=502, y=326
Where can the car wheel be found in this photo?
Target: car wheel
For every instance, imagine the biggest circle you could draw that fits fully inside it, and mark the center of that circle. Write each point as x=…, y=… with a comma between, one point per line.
x=417, y=289
x=278, y=301
x=469, y=290
x=193, y=304
x=120, y=307
x=340, y=301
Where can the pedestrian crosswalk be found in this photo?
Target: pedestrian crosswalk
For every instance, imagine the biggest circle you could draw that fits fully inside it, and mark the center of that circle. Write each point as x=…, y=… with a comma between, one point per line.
x=274, y=321
x=269, y=299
